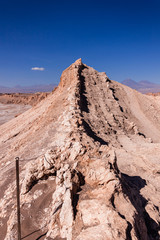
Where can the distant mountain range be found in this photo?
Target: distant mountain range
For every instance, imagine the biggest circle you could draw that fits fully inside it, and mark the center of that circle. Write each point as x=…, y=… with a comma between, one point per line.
x=27, y=89
x=142, y=86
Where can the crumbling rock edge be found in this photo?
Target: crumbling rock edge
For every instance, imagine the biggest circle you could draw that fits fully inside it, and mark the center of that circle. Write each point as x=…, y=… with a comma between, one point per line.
x=92, y=198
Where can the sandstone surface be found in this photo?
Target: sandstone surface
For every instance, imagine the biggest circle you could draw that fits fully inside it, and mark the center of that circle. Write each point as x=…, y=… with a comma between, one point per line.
x=89, y=163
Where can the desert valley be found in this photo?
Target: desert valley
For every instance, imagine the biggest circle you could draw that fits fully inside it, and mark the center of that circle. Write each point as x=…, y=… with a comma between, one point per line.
x=89, y=161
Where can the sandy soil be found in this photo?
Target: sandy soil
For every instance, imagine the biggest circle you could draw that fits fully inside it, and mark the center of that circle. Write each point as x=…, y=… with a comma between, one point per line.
x=10, y=111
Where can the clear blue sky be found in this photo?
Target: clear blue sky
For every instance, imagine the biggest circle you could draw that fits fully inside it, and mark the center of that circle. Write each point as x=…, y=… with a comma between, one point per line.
x=120, y=37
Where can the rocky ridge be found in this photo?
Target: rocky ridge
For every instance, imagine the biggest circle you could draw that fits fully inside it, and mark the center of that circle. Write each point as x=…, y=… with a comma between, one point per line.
x=90, y=162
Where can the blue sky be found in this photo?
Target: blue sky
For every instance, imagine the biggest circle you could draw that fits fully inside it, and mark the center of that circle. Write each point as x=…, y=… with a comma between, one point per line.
x=121, y=38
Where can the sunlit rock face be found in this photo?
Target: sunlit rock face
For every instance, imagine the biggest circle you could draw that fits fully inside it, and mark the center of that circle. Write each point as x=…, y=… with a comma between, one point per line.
x=89, y=162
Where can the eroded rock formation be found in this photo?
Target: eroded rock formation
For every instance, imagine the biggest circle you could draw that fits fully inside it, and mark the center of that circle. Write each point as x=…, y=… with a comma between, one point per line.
x=89, y=163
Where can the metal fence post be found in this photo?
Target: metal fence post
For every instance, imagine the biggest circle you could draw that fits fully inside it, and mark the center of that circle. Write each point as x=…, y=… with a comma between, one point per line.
x=18, y=199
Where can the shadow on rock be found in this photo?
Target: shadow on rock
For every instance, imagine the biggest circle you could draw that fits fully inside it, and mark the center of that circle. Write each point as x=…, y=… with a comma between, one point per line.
x=146, y=228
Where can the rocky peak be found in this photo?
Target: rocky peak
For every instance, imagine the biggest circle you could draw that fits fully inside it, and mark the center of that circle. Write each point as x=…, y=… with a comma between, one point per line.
x=78, y=62
x=70, y=74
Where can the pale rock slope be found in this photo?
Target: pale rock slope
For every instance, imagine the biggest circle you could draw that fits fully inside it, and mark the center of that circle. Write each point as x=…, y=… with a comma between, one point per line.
x=90, y=163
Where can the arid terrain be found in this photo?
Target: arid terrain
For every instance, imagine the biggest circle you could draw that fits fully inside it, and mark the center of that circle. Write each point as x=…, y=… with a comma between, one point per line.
x=23, y=98
x=9, y=111
x=13, y=104
x=89, y=162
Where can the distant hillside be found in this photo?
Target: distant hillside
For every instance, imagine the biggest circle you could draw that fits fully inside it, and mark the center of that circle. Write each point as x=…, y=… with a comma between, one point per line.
x=27, y=89
x=142, y=86
x=23, y=98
